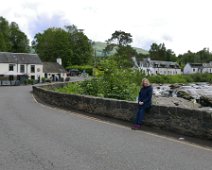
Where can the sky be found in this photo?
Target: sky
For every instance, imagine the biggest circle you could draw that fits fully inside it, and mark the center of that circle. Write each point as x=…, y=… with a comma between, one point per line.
x=181, y=25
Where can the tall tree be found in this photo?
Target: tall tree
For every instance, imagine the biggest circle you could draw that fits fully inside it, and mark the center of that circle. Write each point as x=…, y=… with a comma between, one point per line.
x=81, y=46
x=70, y=44
x=4, y=35
x=159, y=52
x=18, y=39
x=53, y=43
x=121, y=40
x=12, y=39
x=202, y=56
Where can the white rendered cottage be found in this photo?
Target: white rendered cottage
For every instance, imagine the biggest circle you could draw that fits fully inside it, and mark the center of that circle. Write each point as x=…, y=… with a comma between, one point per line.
x=14, y=66
x=153, y=67
x=54, y=71
x=191, y=68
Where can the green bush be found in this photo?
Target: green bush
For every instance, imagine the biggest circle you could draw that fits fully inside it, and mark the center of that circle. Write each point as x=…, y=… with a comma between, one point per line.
x=90, y=87
x=199, y=77
x=71, y=88
x=29, y=81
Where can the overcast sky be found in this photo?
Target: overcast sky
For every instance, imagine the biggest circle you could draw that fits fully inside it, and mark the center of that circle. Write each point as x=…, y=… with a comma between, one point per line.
x=181, y=24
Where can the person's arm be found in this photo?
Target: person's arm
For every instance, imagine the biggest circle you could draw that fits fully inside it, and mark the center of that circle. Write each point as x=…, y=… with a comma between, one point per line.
x=140, y=95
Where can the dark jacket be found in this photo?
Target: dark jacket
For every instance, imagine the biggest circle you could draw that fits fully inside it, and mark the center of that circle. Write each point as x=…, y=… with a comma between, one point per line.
x=145, y=96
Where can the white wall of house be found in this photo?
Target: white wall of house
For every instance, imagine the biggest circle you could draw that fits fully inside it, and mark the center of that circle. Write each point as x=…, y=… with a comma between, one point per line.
x=37, y=73
x=191, y=70
x=167, y=71
x=162, y=71
x=23, y=69
x=207, y=70
x=187, y=69
x=4, y=67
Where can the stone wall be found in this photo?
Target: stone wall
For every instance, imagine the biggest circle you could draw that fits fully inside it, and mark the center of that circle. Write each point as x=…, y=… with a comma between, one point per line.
x=183, y=121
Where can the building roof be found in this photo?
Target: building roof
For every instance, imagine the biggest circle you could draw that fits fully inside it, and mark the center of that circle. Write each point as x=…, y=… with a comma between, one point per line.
x=197, y=65
x=207, y=65
x=53, y=67
x=158, y=63
x=20, y=58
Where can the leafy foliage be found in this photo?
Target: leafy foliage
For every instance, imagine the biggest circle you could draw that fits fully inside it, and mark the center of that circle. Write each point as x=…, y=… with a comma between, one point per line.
x=120, y=41
x=53, y=43
x=159, y=52
x=198, y=77
x=70, y=44
x=12, y=39
x=114, y=83
x=71, y=88
x=202, y=56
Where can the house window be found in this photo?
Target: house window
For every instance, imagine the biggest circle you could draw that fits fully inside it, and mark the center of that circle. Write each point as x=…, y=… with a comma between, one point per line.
x=193, y=69
x=22, y=68
x=32, y=77
x=11, y=67
x=32, y=68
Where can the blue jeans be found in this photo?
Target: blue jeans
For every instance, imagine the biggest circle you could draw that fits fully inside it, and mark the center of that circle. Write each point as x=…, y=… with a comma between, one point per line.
x=140, y=115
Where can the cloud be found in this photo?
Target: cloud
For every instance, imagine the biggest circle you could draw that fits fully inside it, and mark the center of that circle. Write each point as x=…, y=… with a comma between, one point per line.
x=167, y=38
x=181, y=25
x=43, y=22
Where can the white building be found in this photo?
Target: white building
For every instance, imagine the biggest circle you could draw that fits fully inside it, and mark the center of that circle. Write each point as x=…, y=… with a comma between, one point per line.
x=153, y=67
x=54, y=70
x=21, y=66
x=191, y=68
x=17, y=65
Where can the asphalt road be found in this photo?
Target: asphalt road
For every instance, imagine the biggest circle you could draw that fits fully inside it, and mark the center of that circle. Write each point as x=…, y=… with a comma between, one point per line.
x=34, y=136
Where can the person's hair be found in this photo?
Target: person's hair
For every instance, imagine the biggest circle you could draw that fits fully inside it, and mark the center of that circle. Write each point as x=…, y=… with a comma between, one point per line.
x=145, y=79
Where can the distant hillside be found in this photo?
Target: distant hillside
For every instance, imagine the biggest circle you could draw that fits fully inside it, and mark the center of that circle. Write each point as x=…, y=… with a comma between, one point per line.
x=99, y=46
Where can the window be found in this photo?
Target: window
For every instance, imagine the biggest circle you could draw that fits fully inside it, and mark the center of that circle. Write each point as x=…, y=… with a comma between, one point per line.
x=22, y=68
x=32, y=68
x=11, y=67
x=193, y=69
x=32, y=77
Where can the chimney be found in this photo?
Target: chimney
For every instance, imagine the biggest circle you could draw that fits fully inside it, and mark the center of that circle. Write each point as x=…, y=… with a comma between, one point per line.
x=59, y=61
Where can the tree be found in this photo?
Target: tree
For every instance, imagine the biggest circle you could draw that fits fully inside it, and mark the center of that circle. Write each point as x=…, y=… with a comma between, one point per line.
x=120, y=40
x=4, y=35
x=53, y=43
x=202, y=56
x=159, y=52
x=19, y=41
x=70, y=44
x=12, y=39
x=124, y=56
x=81, y=46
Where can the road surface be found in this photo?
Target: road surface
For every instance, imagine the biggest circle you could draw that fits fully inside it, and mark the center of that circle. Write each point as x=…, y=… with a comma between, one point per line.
x=38, y=137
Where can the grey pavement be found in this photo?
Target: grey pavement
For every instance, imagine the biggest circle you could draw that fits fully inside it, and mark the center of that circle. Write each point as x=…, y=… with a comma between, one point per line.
x=34, y=136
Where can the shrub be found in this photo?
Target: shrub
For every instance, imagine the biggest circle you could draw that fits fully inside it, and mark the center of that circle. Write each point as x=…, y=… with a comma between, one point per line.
x=71, y=88
x=90, y=87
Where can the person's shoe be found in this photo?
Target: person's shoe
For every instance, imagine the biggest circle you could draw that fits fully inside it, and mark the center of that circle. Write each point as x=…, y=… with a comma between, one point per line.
x=135, y=127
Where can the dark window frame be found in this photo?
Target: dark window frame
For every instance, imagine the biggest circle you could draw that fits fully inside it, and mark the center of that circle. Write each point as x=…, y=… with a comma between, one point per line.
x=32, y=68
x=22, y=68
x=11, y=67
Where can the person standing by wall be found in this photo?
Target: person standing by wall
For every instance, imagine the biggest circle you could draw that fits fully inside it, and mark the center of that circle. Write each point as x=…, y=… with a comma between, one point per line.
x=144, y=102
